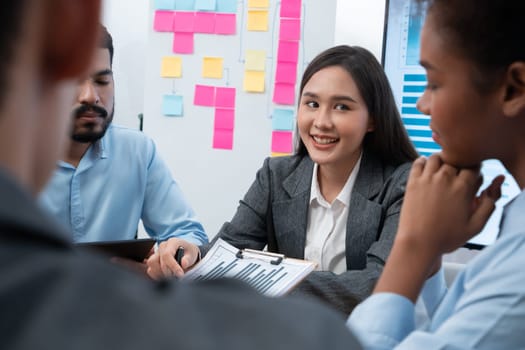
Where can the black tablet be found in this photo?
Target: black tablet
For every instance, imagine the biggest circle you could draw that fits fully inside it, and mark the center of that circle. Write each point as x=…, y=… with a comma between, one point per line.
x=135, y=249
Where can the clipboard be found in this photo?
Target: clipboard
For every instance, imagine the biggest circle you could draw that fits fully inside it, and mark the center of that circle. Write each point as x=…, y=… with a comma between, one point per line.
x=273, y=258
x=271, y=274
x=133, y=249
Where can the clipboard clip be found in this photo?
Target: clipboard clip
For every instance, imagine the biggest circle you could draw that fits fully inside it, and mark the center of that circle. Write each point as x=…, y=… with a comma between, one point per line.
x=275, y=259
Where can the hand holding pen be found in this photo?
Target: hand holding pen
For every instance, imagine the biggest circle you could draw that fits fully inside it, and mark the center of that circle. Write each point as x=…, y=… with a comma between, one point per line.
x=179, y=254
x=172, y=258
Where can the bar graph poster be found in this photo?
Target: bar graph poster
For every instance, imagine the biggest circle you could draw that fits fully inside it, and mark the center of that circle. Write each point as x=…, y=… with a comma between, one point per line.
x=403, y=24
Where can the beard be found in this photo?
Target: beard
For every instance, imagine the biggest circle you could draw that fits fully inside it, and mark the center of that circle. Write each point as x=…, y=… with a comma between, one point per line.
x=91, y=132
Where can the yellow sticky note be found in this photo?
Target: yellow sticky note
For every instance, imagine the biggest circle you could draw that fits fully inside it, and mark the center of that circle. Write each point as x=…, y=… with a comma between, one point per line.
x=259, y=3
x=257, y=21
x=171, y=67
x=255, y=60
x=276, y=154
x=212, y=67
x=253, y=81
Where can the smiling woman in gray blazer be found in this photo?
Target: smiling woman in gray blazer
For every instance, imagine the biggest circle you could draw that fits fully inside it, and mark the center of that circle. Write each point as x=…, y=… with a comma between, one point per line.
x=337, y=200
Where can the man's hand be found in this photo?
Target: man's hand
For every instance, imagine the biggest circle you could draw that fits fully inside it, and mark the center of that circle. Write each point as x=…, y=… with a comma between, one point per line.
x=162, y=264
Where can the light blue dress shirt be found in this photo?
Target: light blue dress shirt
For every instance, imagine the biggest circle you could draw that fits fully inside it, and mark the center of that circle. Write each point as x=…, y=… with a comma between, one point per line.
x=120, y=180
x=484, y=308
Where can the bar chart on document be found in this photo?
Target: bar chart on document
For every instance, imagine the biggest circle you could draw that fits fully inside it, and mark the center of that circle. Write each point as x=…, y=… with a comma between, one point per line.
x=268, y=273
x=408, y=80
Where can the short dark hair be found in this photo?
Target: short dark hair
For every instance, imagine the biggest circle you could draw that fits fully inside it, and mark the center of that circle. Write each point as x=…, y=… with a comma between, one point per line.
x=389, y=139
x=489, y=33
x=11, y=13
x=106, y=42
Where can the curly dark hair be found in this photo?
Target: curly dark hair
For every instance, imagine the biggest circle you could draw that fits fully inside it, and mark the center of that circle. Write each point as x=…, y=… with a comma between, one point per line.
x=489, y=33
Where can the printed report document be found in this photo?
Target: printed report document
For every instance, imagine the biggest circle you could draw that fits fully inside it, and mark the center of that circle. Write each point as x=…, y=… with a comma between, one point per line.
x=269, y=273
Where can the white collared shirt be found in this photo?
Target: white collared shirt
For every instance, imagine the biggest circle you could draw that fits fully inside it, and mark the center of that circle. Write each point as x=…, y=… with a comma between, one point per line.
x=326, y=227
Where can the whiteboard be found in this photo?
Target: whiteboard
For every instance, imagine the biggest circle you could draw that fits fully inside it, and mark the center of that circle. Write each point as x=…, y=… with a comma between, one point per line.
x=214, y=180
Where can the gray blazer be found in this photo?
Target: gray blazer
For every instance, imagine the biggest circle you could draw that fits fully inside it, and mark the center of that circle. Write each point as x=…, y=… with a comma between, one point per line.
x=372, y=222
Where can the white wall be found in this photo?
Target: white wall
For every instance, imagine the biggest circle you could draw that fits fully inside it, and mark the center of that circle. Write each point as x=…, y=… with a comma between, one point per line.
x=127, y=21
x=360, y=22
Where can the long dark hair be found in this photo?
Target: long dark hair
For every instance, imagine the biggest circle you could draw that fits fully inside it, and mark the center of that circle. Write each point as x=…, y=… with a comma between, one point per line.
x=389, y=139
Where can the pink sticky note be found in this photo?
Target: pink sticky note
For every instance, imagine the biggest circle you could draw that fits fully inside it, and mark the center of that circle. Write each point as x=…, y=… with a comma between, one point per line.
x=288, y=51
x=223, y=138
x=163, y=21
x=290, y=8
x=284, y=93
x=225, y=97
x=183, y=42
x=225, y=23
x=204, y=95
x=224, y=118
x=184, y=22
x=282, y=141
x=290, y=29
x=204, y=22
x=286, y=72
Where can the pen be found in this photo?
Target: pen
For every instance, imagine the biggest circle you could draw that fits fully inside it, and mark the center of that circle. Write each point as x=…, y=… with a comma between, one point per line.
x=179, y=254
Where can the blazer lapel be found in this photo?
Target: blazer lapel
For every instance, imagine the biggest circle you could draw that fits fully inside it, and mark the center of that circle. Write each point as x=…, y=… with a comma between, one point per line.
x=364, y=215
x=291, y=212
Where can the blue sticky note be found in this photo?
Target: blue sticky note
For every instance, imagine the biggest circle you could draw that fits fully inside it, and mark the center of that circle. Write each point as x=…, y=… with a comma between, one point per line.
x=172, y=105
x=205, y=5
x=185, y=5
x=227, y=6
x=282, y=119
x=165, y=4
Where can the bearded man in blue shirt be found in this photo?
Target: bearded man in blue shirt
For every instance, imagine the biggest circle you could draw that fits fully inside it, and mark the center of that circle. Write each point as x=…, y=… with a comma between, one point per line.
x=111, y=176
